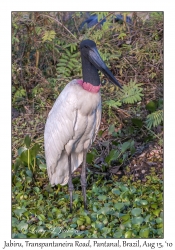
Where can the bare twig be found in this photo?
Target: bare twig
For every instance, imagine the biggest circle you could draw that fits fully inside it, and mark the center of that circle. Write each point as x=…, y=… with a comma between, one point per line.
x=101, y=21
x=76, y=25
x=61, y=25
x=130, y=64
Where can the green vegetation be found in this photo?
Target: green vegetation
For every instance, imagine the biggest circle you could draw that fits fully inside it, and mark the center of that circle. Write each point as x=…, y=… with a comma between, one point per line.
x=125, y=163
x=115, y=210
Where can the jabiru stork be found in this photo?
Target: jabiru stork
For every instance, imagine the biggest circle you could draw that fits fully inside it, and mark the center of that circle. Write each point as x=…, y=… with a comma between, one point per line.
x=74, y=120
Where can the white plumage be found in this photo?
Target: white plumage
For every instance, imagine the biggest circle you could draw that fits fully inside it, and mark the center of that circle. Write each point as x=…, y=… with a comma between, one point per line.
x=71, y=127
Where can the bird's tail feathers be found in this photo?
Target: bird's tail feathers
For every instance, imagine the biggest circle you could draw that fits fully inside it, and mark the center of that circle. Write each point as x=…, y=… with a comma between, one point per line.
x=61, y=173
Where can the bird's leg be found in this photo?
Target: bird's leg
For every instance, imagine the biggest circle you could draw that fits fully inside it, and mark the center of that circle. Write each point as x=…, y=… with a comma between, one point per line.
x=83, y=179
x=70, y=184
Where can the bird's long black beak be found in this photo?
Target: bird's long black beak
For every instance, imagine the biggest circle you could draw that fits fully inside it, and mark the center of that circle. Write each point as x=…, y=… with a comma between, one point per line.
x=97, y=61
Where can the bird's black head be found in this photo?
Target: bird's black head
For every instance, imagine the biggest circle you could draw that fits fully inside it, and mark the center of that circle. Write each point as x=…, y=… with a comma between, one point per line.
x=87, y=44
x=89, y=54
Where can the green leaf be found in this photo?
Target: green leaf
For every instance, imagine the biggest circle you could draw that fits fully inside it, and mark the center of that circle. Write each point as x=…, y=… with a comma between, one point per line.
x=56, y=231
x=125, y=217
x=26, y=214
x=116, y=191
x=99, y=225
x=137, y=220
x=21, y=149
x=133, y=190
x=104, y=210
x=80, y=222
x=29, y=173
x=17, y=164
x=128, y=234
x=159, y=220
x=95, y=189
x=156, y=212
x=113, y=155
x=15, y=221
x=27, y=141
x=88, y=220
x=127, y=223
x=28, y=179
x=20, y=211
x=160, y=104
x=117, y=235
x=160, y=231
x=144, y=202
x=161, y=215
x=89, y=158
x=13, y=89
x=34, y=151
x=159, y=225
x=94, y=208
x=154, y=205
x=132, y=148
x=41, y=217
x=136, y=211
x=36, y=189
x=100, y=133
x=137, y=122
x=19, y=236
x=124, y=188
x=151, y=106
x=111, y=129
x=106, y=230
x=102, y=197
x=65, y=235
x=91, y=155
x=73, y=225
x=18, y=184
x=41, y=229
x=125, y=146
x=144, y=233
x=147, y=218
x=119, y=206
x=43, y=167
x=25, y=156
x=22, y=226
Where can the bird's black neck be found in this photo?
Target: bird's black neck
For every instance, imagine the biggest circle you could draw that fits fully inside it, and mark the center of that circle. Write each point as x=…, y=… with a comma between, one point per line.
x=90, y=73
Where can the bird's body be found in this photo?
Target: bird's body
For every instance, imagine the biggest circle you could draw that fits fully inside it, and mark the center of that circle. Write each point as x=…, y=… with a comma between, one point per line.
x=74, y=120
x=71, y=127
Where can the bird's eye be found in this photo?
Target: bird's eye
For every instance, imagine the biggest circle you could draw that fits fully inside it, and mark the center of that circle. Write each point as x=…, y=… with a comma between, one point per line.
x=86, y=46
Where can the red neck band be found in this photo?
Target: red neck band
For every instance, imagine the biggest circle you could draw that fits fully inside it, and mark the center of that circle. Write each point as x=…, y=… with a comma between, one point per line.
x=88, y=86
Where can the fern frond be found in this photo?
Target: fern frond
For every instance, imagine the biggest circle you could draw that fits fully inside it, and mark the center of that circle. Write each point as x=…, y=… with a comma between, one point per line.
x=62, y=60
x=49, y=35
x=112, y=103
x=69, y=63
x=154, y=119
x=131, y=93
x=64, y=56
x=68, y=53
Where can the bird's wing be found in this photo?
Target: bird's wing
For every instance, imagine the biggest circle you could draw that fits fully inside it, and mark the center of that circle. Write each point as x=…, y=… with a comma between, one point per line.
x=59, y=128
x=98, y=119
